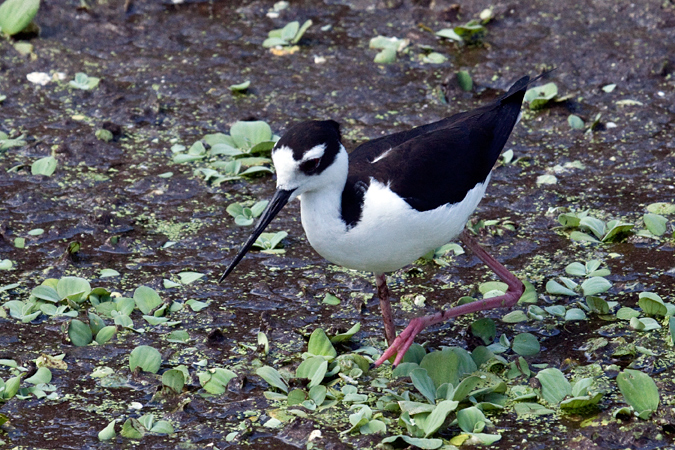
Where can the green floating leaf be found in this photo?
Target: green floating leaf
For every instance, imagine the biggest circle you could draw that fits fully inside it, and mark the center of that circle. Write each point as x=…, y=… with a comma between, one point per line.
x=661, y=208
x=42, y=376
x=423, y=382
x=513, y=317
x=79, y=333
x=84, y=82
x=525, y=344
x=296, y=397
x=109, y=273
x=652, y=304
x=437, y=417
x=179, y=336
x=314, y=369
x=539, y=96
x=320, y=345
x=162, y=427
x=174, y=379
x=597, y=305
x=249, y=134
x=574, y=314
x=625, y=313
x=617, y=231
x=414, y=354
x=554, y=385
x=47, y=293
x=655, y=223
x=341, y=337
x=190, y=277
x=555, y=288
x=214, y=381
x=595, y=285
x=531, y=409
x=575, y=122
x=639, y=390
x=427, y=444
x=132, y=429
x=240, y=87
x=485, y=329
x=15, y=15
x=105, y=334
x=471, y=420
x=146, y=299
x=464, y=80
x=146, y=358
x=448, y=365
x=44, y=166
x=272, y=377
x=73, y=288
x=108, y=432
x=330, y=299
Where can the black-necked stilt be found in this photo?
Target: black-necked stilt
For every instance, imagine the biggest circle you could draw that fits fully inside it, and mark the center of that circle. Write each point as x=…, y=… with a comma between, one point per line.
x=395, y=198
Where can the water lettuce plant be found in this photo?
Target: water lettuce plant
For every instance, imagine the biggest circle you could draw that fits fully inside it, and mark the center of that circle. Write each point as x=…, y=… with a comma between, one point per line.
x=16, y=15
x=389, y=47
x=288, y=35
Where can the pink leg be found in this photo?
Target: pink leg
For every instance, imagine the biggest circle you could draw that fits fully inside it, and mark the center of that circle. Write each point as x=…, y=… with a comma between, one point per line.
x=509, y=299
x=385, y=307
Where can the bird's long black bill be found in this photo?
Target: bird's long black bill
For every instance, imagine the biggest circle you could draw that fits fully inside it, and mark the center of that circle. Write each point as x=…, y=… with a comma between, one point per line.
x=277, y=202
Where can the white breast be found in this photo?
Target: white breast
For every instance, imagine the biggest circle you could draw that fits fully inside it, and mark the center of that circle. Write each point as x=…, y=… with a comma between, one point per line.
x=390, y=234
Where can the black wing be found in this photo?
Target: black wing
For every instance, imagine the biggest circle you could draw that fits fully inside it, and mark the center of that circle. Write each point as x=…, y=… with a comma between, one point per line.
x=438, y=163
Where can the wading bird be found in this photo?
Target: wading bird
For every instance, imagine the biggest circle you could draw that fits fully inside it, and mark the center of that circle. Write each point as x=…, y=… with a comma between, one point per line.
x=395, y=198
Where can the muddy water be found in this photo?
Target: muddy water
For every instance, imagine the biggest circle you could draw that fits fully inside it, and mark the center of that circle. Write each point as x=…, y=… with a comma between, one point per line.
x=165, y=71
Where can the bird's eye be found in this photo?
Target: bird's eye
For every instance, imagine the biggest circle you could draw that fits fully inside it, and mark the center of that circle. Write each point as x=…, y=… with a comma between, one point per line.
x=310, y=165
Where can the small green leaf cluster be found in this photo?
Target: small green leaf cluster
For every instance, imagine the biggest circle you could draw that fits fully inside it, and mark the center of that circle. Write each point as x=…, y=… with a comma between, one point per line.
x=320, y=373
x=7, y=143
x=438, y=254
x=137, y=428
x=389, y=47
x=39, y=382
x=640, y=393
x=288, y=35
x=494, y=226
x=524, y=344
x=214, y=381
x=16, y=15
x=656, y=224
x=244, y=216
x=82, y=334
x=446, y=379
x=471, y=32
x=268, y=242
x=69, y=296
x=538, y=97
x=556, y=390
x=84, y=82
x=429, y=56
x=611, y=231
x=577, y=123
x=185, y=278
x=249, y=144
x=651, y=305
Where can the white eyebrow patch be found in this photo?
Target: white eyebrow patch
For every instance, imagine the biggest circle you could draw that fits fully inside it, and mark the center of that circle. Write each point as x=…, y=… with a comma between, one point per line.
x=315, y=152
x=382, y=156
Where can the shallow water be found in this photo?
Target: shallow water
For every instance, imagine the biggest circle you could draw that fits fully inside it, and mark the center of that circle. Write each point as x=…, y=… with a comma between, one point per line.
x=165, y=73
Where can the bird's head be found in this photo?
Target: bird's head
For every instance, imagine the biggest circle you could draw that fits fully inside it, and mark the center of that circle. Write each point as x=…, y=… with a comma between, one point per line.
x=308, y=157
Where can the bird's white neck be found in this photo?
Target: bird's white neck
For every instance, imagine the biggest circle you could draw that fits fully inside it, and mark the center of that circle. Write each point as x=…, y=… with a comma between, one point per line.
x=321, y=205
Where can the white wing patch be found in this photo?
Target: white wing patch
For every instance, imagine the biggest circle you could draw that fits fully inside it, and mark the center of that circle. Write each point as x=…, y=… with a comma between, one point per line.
x=382, y=156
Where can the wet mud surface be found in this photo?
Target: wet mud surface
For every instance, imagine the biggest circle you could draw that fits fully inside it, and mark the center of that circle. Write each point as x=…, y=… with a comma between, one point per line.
x=165, y=71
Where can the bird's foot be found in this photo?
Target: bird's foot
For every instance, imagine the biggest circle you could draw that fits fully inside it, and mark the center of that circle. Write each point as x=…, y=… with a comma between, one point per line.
x=404, y=340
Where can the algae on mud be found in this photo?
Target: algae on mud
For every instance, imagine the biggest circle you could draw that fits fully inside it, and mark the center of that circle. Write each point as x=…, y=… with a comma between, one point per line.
x=166, y=72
